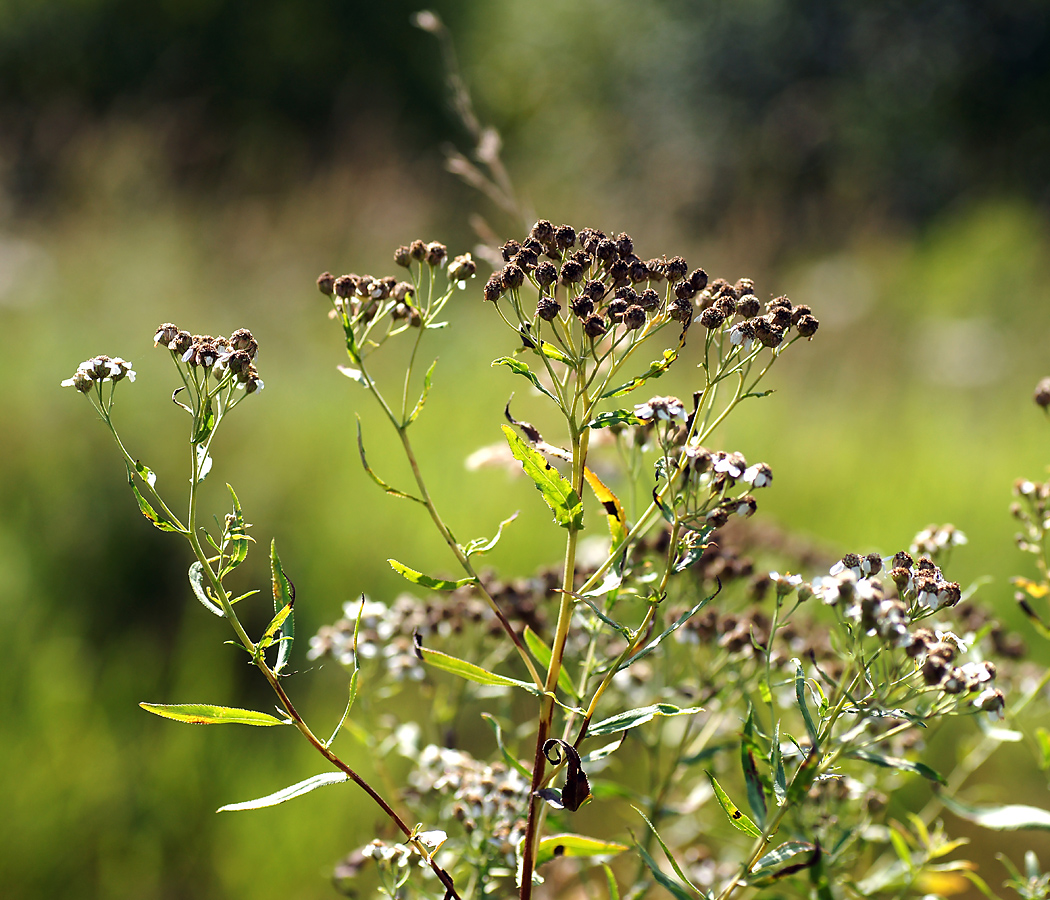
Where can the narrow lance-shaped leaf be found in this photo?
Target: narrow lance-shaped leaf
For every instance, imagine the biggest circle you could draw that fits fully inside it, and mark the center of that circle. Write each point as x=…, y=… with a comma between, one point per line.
x=354, y=675
x=667, y=853
x=507, y=755
x=423, y=396
x=800, y=698
x=288, y=793
x=196, y=575
x=283, y=599
x=480, y=546
x=756, y=794
x=203, y=714
x=159, y=518
x=543, y=656
x=894, y=762
x=665, y=881
x=632, y=718
x=678, y=623
x=612, y=506
x=467, y=670
x=791, y=855
x=559, y=845
x=655, y=370
x=520, y=368
x=614, y=417
x=394, y=492
x=557, y=493
x=433, y=584
x=736, y=818
x=237, y=539
x=1008, y=817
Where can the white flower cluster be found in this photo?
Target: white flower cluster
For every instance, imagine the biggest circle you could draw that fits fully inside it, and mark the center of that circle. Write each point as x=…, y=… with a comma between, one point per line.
x=936, y=539
x=98, y=370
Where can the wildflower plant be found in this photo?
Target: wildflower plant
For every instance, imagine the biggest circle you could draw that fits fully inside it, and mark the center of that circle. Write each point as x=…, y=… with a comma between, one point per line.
x=661, y=689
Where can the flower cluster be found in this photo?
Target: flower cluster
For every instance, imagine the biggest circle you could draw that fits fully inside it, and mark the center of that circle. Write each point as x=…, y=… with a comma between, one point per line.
x=485, y=799
x=97, y=371
x=223, y=357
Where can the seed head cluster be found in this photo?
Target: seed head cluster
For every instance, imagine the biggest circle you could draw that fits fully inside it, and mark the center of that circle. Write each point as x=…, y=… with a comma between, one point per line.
x=220, y=356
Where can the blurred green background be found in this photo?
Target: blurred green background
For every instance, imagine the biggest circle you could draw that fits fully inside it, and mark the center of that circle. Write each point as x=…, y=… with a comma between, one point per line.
x=202, y=161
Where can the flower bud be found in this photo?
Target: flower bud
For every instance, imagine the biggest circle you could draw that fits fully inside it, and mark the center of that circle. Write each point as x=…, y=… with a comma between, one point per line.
x=462, y=268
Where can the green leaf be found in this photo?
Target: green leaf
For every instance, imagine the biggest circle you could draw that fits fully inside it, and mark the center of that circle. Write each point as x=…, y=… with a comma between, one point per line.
x=202, y=714
x=736, y=818
x=423, y=396
x=1011, y=817
x=776, y=763
x=205, y=423
x=160, y=519
x=1042, y=737
x=481, y=546
x=288, y=793
x=557, y=845
x=511, y=760
x=433, y=584
x=602, y=752
x=520, y=368
x=678, y=623
x=467, y=670
x=614, y=417
x=551, y=352
x=237, y=539
x=614, y=891
x=275, y=623
x=196, y=574
x=543, y=656
x=655, y=370
x=756, y=794
x=632, y=718
x=667, y=852
x=557, y=492
x=894, y=762
x=800, y=698
x=768, y=865
x=283, y=597
x=665, y=881
x=394, y=492
x=146, y=474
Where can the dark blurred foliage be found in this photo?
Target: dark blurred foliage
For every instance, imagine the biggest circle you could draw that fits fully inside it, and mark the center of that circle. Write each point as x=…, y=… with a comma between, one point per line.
x=900, y=106
x=215, y=78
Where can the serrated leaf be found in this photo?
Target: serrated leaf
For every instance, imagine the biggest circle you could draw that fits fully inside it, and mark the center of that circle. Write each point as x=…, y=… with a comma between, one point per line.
x=432, y=584
x=288, y=793
x=196, y=575
x=1010, y=817
x=394, y=492
x=283, y=598
x=423, y=396
x=894, y=762
x=558, y=845
x=520, y=368
x=543, y=656
x=468, y=670
x=203, y=714
x=614, y=417
x=800, y=698
x=632, y=718
x=678, y=623
x=557, y=493
x=610, y=879
x=617, y=518
x=480, y=546
x=736, y=818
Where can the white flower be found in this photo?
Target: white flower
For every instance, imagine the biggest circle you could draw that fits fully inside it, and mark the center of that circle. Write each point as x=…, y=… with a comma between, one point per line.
x=759, y=475
x=432, y=839
x=664, y=408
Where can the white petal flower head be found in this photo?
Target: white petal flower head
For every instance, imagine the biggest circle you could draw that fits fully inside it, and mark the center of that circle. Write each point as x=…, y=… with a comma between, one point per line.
x=662, y=408
x=950, y=637
x=432, y=839
x=759, y=475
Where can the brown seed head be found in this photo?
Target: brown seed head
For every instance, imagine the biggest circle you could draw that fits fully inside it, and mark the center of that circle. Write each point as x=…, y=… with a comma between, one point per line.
x=547, y=308
x=594, y=326
x=543, y=232
x=403, y=256
x=639, y=272
x=681, y=311
x=418, y=250
x=712, y=318
x=624, y=245
x=494, y=287
x=634, y=317
x=512, y=276
x=571, y=271
x=345, y=286
x=436, y=253
x=649, y=299
x=325, y=283
x=675, y=269
x=1042, y=393
x=546, y=274
x=807, y=326
x=582, y=306
x=564, y=237
x=509, y=250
